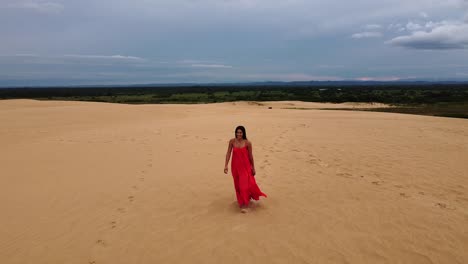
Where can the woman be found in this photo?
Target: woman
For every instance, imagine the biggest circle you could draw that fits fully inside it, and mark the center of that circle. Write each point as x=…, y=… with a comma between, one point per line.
x=243, y=169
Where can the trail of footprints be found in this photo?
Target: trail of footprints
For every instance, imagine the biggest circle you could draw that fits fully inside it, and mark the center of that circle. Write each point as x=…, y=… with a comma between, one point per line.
x=113, y=224
x=274, y=148
x=398, y=188
x=278, y=145
x=375, y=179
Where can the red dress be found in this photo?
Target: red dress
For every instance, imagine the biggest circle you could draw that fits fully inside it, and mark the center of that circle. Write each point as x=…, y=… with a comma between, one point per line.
x=244, y=182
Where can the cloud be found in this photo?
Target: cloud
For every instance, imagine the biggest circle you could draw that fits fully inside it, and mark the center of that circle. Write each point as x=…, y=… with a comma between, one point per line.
x=396, y=27
x=104, y=57
x=413, y=26
x=212, y=66
x=19, y=55
x=371, y=32
x=102, y=36
x=289, y=77
x=380, y=79
x=442, y=37
x=367, y=34
x=38, y=6
x=188, y=61
x=70, y=59
x=372, y=26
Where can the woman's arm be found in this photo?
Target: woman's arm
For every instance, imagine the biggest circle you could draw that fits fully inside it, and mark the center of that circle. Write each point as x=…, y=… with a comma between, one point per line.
x=249, y=146
x=228, y=156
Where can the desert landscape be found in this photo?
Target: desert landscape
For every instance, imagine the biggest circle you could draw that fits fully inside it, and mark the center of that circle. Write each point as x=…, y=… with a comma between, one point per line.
x=96, y=183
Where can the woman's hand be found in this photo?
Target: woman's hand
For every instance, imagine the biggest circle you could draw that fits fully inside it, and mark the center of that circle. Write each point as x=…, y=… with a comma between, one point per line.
x=225, y=170
x=253, y=171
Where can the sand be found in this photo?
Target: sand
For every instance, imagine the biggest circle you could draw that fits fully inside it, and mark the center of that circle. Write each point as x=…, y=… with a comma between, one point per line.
x=97, y=183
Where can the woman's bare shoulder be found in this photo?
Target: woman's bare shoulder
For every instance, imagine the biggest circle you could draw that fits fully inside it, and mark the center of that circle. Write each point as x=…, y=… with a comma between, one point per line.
x=248, y=142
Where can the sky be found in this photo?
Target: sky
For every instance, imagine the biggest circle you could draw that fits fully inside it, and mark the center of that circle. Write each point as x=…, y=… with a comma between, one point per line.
x=65, y=42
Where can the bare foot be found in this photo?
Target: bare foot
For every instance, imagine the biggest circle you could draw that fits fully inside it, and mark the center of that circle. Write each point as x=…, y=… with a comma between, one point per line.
x=244, y=210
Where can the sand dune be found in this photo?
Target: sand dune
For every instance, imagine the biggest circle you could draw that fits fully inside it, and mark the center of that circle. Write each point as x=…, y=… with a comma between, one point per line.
x=106, y=183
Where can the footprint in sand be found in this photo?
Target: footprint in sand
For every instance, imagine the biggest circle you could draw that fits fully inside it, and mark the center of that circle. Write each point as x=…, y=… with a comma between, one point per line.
x=345, y=175
x=142, y=179
x=130, y=198
x=444, y=206
x=113, y=224
x=121, y=210
x=404, y=195
x=101, y=242
x=317, y=161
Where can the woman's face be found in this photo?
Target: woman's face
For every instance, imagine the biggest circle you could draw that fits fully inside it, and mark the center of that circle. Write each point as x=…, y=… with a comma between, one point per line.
x=239, y=134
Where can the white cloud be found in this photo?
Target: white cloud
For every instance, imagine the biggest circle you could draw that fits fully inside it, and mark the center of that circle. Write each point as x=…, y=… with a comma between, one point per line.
x=104, y=57
x=71, y=59
x=430, y=24
x=380, y=79
x=212, y=66
x=372, y=26
x=189, y=61
x=289, y=77
x=397, y=27
x=19, y=55
x=367, y=34
x=446, y=36
x=413, y=26
x=38, y=6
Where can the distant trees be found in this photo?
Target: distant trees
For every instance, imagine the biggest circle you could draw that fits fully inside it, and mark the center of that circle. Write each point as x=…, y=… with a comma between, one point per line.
x=389, y=94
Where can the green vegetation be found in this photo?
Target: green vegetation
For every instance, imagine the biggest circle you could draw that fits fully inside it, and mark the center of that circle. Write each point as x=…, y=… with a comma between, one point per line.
x=428, y=99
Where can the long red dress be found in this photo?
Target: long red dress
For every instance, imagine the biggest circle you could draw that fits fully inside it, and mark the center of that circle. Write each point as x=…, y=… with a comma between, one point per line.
x=244, y=182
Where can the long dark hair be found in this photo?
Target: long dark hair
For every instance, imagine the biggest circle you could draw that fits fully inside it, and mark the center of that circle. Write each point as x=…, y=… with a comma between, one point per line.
x=244, y=134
